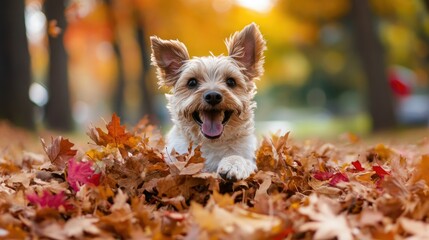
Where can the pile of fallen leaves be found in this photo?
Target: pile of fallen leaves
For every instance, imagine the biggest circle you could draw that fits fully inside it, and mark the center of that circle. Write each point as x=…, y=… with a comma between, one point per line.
x=125, y=186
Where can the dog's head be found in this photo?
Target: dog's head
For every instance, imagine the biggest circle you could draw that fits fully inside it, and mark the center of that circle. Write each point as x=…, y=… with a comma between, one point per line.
x=209, y=93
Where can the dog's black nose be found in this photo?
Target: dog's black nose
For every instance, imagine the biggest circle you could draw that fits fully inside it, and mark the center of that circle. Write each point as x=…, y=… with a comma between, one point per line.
x=212, y=97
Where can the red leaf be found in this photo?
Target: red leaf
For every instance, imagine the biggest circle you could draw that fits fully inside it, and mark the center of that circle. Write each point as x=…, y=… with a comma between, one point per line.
x=337, y=178
x=95, y=179
x=59, y=151
x=380, y=171
x=399, y=86
x=322, y=176
x=358, y=166
x=284, y=233
x=80, y=173
x=47, y=199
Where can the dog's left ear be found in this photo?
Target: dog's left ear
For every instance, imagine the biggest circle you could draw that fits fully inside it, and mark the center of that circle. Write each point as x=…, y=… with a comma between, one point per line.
x=247, y=48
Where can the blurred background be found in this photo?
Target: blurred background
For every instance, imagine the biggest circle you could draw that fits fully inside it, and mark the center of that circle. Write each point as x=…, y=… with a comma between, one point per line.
x=332, y=66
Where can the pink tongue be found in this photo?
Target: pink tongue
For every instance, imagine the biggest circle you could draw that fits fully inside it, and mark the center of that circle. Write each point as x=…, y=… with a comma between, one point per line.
x=212, y=123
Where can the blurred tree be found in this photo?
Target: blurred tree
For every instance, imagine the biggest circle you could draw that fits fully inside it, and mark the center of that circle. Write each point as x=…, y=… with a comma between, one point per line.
x=58, y=109
x=118, y=97
x=119, y=94
x=15, y=76
x=313, y=10
x=124, y=13
x=380, y=98
x=146, y=100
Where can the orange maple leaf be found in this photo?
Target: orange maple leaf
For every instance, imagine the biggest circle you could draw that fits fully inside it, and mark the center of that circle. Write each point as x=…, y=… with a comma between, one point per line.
x=116, y=134
x=116, y=131
x=53, y=29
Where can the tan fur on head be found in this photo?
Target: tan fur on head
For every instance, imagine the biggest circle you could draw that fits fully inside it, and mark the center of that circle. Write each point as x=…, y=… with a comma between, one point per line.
x=225, y=129
x=246, y=47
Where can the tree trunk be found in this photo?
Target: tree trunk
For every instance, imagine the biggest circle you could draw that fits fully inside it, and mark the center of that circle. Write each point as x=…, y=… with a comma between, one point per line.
x=426, y=3
x=119, y=94
x=15, y=72
x=380, y=97
x=146, y=103
x=58, y=109
x=147, y=106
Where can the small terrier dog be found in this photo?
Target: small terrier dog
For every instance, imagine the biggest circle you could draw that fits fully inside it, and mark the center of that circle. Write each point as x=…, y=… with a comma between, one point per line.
x=211, y=100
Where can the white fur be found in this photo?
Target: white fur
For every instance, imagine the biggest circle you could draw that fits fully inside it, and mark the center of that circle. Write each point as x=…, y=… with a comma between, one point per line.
x=234, y=158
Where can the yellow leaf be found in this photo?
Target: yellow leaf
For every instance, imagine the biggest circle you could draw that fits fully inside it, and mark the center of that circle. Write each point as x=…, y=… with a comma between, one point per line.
x=422, y=168
x=223, y=200
x=365, y=177
x=382, y=151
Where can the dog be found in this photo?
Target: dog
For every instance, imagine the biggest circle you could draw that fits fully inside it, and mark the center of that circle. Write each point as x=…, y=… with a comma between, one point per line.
x=211, y=100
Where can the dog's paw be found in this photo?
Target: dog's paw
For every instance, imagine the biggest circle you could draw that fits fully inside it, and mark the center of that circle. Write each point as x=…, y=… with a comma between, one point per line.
x=235, y=168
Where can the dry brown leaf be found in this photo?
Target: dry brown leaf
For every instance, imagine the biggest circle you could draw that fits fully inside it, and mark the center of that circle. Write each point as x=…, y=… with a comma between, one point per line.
x=78, y=226
x=59, y=151
x=418, y=230
x=370, y=217
x=192, y=169
x=220, y=220
x=223, y=201
x=22, y=178
x=53, y=230
x=262, y=193
x=327, y=222
x=120, y=201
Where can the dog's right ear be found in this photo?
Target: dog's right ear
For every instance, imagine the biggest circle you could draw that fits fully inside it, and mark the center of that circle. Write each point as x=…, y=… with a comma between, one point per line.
x=168, y=56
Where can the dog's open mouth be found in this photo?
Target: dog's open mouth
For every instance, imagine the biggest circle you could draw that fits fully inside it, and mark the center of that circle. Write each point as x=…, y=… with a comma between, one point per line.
x=212, y=122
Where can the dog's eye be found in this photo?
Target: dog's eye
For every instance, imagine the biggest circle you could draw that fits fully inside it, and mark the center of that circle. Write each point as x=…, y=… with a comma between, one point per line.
x=192, y=83
x=231, y=82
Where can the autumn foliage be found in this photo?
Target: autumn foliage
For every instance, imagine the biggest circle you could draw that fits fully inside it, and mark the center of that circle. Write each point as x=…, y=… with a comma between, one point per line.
x=125, y=186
